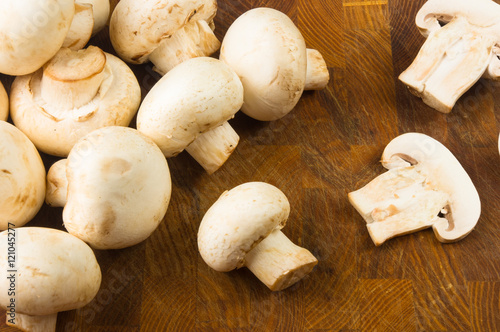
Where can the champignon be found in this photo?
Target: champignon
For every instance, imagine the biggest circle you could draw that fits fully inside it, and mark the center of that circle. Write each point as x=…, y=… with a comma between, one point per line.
x=75, y=93
x=50, y=271
x=243, y=228
x=461, y=47
x=4, y=104
x=189, y=107
x=100, y=12
x=22, y=178
x=267, y=39
x=165, y=32
x=425, y=186
x=115, y=188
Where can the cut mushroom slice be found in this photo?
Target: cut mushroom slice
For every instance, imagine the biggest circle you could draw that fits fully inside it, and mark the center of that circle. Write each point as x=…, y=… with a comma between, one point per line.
x=165, y=32
x=75, y=93
x=22, y=178
x=189, y=107
x=456, y=55
x=243, y=228
x=4, y=104
x=267, y=39
x=425, y=186
x=53, y=271
x=115, y=188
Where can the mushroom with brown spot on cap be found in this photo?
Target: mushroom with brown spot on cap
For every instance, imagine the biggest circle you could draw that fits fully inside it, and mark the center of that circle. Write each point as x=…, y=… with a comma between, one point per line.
x=53, y=271
x=267, y=39
x=165, y=32
x=243, y=228
x=425, y=186
x=189, y=108
x=4, y=104
x=22, y=178
x=115, y=187
x=73, y=94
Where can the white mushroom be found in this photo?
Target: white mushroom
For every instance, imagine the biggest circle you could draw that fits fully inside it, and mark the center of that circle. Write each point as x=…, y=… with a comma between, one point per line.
x=22, y=178
x=268, y=52
x=100, y=11
x=461, y=46
x=425, y=187
x=75, y=93
x=189, y=108
x=165, y=32
x=115, y=188
x=48, y=271
x=4, y=104
x=243, y=228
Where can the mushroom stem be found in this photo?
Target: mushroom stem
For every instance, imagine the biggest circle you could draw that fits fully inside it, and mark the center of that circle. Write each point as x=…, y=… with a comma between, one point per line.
x=317, y=76
x=81, y=27
x=34, y=323
x=212, y=148
x=72, y=79
x=57, y=184
x=279, y=263
x=195, y=39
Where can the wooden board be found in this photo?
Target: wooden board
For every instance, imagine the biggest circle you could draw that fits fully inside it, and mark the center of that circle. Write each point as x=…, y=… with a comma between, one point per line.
x=329, y=145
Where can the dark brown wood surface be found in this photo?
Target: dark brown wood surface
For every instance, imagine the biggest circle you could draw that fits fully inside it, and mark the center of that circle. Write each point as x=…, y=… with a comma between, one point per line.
x=328, y=145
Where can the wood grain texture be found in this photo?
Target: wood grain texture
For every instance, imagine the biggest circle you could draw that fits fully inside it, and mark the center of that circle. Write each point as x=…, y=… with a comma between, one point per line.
x=329, y=145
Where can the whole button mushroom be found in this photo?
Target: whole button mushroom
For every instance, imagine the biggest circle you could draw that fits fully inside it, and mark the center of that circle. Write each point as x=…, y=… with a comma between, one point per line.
x=461, y=47
x=49, y=271
x=189, y=108
x=4, y=104
x=243, y=228
x=425, y=186
x=115, y=188
x=22, y=178
x=73, y=94
x=267, y=39
x=165, y=32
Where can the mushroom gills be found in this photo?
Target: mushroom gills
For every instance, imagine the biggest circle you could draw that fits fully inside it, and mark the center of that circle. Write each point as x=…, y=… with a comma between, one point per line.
x=451, y=60
x=400, y=201
x=25, y=322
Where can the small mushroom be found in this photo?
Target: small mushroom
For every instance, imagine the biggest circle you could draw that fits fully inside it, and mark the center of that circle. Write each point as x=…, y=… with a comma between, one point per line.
x=73, y=94
x=189, y=107
x=243, y=228
x=165, y=32
x=100, y=11
x=115, y=188
x=425, y=186
x=50, y=271
x=461, y=47
x=22, y=178
x=267, y=39
x=4, y=104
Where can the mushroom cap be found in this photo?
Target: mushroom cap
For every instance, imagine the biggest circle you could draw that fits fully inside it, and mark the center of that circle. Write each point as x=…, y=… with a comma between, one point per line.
x=4, y=104
x=101, y=9
x=54, y=130
x=32, y=32
x=118, y=188
x=194, y=97
x=55, y=271
x=267, y=39
x=22, y=177
x=138, y=27
x=238, y=221
x=445, y=171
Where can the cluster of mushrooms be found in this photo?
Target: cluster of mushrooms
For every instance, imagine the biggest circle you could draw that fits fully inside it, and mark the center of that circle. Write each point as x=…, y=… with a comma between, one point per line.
x=77, y=103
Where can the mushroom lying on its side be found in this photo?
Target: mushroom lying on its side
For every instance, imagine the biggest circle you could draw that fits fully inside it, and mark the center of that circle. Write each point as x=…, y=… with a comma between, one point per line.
x=267, y=51
x=425, y=187
x=115, y=188
x=461, y=47
x=22, y=178
x=4, y=104
x=189, y=108
x=74, y=93
x=243, y=228
x=165, y=32
x=53, y=271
